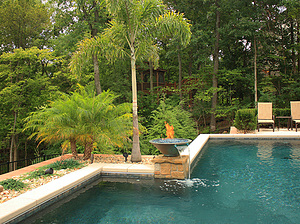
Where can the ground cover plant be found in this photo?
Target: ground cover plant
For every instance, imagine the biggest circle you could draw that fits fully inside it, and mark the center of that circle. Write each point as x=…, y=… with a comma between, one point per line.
x=12, y=184
x=65, y=164
x=25, y=182
x=35, y=174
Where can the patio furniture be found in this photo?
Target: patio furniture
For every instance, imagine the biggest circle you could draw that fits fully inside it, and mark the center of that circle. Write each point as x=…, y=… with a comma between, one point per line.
x=295, y=112
x=265, y=115
x=289, y=122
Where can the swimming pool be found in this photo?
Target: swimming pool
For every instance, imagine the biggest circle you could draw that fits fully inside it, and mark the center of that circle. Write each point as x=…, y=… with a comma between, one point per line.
x=240, y=181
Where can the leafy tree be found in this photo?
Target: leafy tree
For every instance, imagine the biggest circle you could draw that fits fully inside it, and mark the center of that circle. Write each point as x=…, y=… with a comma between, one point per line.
x=85, y=118
x=76, y=20
x=22, y=23
x=27, y=82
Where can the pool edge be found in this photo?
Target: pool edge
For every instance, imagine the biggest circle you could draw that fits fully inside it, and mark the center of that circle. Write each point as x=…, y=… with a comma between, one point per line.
x=26, y=204
x=23, y=206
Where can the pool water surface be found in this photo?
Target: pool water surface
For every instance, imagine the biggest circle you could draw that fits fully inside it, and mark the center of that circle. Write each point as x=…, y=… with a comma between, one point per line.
x=240, y=181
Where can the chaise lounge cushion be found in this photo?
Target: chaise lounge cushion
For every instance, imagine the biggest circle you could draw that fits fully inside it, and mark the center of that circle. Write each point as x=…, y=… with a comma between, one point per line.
x=265, y=121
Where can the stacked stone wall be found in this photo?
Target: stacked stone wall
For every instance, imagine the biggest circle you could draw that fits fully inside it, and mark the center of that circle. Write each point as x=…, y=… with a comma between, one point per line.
x=171, y=167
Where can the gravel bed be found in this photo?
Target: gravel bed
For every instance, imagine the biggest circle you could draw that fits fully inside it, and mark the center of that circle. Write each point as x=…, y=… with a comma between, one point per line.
x=32, y=183
x=6, y=195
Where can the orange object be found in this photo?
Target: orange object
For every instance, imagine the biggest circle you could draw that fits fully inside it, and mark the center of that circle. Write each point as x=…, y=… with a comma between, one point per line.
x=170, y=130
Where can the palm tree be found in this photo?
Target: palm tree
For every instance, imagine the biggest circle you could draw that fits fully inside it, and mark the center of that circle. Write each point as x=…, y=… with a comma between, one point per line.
x=57, y=123
x=102, y=122
x=134, y=31
x=84, y=118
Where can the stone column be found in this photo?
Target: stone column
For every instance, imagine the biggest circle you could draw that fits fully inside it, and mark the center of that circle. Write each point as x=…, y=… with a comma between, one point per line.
x=171, y=167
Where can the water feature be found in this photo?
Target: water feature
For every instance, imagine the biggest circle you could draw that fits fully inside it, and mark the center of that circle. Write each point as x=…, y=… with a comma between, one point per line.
x=168, y=166
x=169, y=146
x=171, y=165
x=243, y=181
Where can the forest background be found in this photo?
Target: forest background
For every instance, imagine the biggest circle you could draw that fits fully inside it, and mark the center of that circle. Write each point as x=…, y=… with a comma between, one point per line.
x=240, y=52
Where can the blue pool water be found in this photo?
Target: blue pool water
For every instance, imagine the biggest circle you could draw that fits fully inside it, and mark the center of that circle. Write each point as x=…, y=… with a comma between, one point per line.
x=241, y=181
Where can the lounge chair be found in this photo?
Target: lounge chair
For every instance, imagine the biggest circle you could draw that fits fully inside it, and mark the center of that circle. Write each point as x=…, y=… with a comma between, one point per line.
x=265, y=115
x=295, y=112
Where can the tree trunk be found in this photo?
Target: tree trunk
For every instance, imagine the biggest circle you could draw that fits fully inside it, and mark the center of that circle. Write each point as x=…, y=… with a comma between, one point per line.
x=151, y=75
x=215, y=72
x=191, y=64
x=136, y=152
x=73, y=148
x=94, y=32
x=298, y=42
x=16, y=152
x=255, y=72
x=294, y=69
x=11, y=152
x=13, y=143
x=179, y=72
x=88, y=150
x=25, y=156
x=96, y=74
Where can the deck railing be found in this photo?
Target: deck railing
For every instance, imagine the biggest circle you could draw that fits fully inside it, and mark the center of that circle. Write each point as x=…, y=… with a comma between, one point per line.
x=18, y=164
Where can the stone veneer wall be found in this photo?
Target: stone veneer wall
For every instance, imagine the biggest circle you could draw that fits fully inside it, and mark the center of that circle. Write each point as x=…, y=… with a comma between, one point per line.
x=171, y=167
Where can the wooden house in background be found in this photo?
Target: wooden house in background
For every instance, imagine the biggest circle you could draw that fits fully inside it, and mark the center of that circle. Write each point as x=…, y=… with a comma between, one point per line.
x=158, y=79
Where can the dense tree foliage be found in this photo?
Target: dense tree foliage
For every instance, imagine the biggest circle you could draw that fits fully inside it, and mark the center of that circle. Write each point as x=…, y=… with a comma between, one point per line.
x=29, y=79
x=23, y=24
x=240, y=52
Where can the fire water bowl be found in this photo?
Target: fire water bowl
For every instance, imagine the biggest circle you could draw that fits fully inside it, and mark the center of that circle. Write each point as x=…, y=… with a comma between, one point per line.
x=168, y=146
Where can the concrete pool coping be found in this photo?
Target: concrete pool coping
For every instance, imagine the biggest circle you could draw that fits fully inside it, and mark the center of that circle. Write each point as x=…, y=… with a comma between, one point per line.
x=34, y=199
x=197, y=144
x=31, y=200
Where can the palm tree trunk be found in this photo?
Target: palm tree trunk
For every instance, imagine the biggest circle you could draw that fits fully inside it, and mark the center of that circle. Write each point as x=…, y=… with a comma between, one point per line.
x=73, y=148
x=136, y=153
x=88, y=150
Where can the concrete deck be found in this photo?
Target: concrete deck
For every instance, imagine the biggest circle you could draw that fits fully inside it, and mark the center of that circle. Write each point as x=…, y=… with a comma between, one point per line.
x=40, y=197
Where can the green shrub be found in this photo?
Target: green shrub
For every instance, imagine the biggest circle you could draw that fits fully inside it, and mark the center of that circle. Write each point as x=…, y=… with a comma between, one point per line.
x=12, y=184
x=282, y=111
x=172, y=113
x=64, y=164
x=245, y=119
